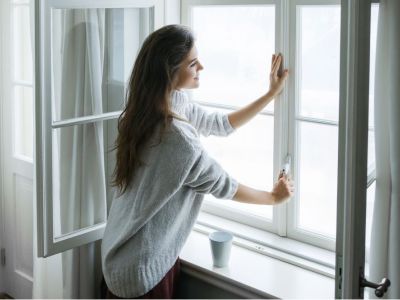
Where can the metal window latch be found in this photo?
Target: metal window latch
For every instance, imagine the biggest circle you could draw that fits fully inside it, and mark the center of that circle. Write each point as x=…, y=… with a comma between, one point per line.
x=380, y=288
x=285, y=170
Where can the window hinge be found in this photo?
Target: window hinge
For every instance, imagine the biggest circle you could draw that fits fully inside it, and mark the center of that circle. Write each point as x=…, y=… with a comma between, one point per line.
x=3, y=256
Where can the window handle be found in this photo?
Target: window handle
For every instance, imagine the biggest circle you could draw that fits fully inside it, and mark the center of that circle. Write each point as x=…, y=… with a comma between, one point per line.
x=286, y=165
x=380, y=288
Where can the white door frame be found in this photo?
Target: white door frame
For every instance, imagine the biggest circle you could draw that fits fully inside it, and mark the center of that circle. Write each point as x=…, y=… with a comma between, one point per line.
x=16, y=181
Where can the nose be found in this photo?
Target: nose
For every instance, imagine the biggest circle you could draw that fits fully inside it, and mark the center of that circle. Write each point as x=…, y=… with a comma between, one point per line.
x=200, y=67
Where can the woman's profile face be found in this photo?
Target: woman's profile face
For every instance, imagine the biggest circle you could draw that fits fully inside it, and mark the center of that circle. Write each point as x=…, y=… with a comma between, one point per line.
x=188, y=74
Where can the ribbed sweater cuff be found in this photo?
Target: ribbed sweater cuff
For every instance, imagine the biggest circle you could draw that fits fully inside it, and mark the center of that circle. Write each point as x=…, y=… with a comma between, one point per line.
x=227, y=125
x=233, y=189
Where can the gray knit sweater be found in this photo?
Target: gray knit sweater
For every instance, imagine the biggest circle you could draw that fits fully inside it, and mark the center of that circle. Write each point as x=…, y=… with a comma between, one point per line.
x=148, y=225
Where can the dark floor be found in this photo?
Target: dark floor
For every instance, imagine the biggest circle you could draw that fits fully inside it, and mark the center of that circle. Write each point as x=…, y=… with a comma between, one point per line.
x=4, y=296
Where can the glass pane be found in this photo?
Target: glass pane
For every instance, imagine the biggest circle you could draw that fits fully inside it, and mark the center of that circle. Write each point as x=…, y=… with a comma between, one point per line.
x=22, y=44
x=371, y=149
x=374, y=30
x=93, y=52
x=369, y=215
x=23, y=114
x=318, y=62
x=371, y=132
x=235, y=45
x=82, y=167
x=317, y=180
x=247, y=155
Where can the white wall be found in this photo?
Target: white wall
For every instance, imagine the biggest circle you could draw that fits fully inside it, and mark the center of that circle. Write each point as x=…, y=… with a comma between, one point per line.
x=172, y=12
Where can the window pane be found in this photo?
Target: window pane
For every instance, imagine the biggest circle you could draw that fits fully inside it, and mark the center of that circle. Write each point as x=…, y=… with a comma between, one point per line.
x=22, y=44
x=23, y=114
x=371, y=132
x=369, y=215
x=82, y=168
x=371, y=148
x=247, y=155
x=317, y=180
x=374, y=30
x=93, y=52
x=235, y=45
x=318, y=62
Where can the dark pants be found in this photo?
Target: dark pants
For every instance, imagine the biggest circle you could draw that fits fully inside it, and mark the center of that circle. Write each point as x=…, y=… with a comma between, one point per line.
x=165, y=289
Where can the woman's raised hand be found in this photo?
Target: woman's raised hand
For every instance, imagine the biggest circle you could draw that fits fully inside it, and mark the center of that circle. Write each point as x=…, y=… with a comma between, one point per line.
x=277, y=81
x=283, y=189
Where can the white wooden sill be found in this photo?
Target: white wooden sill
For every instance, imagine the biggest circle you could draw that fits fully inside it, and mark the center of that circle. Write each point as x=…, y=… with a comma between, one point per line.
x=252, y=273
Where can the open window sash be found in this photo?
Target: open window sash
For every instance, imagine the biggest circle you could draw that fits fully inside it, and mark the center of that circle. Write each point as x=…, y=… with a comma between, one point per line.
x=52, y=240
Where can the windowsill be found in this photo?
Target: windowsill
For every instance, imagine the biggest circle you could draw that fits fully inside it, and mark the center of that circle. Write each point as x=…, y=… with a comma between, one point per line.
x=258, y=271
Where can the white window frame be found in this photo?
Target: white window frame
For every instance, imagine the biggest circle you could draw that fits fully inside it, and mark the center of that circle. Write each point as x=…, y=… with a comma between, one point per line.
x=48, y=244
x=219, y=209
x=283, y=223
x=292, y=230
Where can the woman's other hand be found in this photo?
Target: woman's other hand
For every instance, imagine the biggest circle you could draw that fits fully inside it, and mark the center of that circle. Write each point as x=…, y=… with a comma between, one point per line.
x=283, y=189
x=277, y=81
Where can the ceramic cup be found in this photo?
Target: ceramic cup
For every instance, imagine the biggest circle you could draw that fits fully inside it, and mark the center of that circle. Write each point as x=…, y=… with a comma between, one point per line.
x=221, y=244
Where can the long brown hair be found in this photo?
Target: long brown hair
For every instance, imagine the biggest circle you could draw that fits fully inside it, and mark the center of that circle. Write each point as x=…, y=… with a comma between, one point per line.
x=150, y=86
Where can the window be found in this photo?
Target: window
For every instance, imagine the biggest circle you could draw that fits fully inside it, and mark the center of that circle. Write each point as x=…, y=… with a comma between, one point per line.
x=85, y=58
x=22, y=81
x=231, y=78
x=303, y=123
x=371, y=135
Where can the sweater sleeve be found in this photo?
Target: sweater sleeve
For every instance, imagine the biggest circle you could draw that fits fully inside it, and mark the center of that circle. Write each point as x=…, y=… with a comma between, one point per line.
x=206, y=176
x=207, y=123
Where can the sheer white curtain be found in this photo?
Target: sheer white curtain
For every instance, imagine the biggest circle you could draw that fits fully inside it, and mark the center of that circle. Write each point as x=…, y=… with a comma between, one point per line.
x=385, y=239
x=80, y=156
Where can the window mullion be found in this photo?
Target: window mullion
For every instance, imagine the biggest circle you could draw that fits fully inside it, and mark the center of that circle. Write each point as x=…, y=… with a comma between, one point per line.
x=281, y=112
x=292, y=112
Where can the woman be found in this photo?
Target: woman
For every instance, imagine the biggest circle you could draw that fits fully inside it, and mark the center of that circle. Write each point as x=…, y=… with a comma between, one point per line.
x=162, y=171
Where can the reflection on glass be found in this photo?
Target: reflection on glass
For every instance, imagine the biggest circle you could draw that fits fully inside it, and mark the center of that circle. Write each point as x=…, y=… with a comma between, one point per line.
x=371, y=149
x=23, y=116
x=93, y=52
x=368, y=220
x=317, y=180
x=22, y=44
x=247, y=155
x=319, y=53
x=371, y=132
x=235, y=46
x=82, y=168
x=372, y=54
